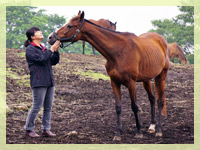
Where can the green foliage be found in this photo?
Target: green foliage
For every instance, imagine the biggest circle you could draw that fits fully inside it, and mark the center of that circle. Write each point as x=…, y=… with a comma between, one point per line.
x=77, y=48
x=187, y=16
x=21, y=18
x=179, y=29
x=190, y=58
x=19, y=80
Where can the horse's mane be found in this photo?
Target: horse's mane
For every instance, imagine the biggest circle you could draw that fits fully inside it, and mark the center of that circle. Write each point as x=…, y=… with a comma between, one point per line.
x=124, y=33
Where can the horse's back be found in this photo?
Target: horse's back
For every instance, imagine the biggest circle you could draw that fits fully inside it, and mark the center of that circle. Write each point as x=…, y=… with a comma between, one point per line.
x=101, y=22
x=153, y=38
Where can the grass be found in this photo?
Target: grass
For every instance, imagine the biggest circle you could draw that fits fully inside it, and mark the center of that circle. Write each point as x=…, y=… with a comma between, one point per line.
x=20, y=80
x=93, y=75
x=22, y=54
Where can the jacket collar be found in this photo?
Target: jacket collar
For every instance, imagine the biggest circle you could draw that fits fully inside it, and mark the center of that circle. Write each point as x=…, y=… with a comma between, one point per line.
x=43, y=48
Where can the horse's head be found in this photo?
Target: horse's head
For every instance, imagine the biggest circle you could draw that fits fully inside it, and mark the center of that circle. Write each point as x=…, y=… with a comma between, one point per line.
x=113, y=26
x=184, y=61
x=68, y=32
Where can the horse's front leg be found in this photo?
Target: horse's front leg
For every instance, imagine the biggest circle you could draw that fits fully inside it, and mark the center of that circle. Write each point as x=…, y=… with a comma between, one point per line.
x=93, y=49
x=116, y=89
x=83, y=44
x=172, y=58
x=179, y=60
x=134, y=106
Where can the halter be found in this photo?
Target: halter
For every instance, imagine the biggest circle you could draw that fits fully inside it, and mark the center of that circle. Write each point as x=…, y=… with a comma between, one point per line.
x=69, y=38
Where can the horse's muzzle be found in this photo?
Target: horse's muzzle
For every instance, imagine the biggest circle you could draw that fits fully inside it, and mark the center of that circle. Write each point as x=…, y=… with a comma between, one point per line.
x=51, y=39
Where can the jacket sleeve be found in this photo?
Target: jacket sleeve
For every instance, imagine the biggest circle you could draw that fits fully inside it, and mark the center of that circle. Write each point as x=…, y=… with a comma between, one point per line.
x=55, y=58
x=32, y=55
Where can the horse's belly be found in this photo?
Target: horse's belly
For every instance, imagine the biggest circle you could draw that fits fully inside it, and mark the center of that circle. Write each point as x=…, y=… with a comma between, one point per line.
x=144, y=77
x=149, y=73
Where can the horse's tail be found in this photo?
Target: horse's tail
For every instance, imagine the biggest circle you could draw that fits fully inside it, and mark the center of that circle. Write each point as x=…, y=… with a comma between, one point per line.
x=164, y=110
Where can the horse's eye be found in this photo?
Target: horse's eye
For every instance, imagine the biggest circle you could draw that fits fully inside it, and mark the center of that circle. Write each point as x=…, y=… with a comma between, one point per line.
x=69, y=26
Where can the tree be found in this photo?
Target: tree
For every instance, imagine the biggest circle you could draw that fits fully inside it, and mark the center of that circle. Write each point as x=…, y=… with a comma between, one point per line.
x=21, y=18
x=78, y=48
x=179, y=29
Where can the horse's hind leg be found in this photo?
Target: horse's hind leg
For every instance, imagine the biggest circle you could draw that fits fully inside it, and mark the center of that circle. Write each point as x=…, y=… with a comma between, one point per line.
x=135, y=109
x=160, y=92
x=147, y=87
x=116, y=90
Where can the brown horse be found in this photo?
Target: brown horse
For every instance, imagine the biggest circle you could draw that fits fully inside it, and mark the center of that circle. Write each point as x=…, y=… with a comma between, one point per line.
x=130, y=59
x=104, y=23
x=176, y=51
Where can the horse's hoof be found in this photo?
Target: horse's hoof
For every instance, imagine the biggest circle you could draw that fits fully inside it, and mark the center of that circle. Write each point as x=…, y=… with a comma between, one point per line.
x=159, y=134
x=117, y=138
x=139, y=135
x=152, y=129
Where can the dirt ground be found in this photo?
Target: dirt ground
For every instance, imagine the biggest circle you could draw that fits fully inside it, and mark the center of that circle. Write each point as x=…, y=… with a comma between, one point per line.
x=86, y=105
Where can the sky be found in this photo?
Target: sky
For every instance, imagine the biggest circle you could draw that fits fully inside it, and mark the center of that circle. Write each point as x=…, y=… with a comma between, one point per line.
x=134, y=19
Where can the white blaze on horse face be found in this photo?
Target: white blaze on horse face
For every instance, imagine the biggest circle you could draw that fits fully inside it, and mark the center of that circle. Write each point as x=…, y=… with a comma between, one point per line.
x=152, y=128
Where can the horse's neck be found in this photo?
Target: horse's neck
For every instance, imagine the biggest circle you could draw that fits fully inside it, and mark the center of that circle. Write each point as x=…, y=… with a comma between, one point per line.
x=103, y=40
x=180, y=52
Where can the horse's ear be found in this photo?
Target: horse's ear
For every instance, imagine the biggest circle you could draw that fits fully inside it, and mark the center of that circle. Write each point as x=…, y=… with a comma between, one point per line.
x=82, y=16
x=115, y=23
x=79, y=13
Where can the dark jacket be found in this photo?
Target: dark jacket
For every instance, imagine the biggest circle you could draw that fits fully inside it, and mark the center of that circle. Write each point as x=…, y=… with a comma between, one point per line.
x=40, y=61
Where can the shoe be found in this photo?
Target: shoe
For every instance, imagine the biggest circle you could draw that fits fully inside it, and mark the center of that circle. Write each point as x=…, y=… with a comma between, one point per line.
x=47, y=133
x=32, y=134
